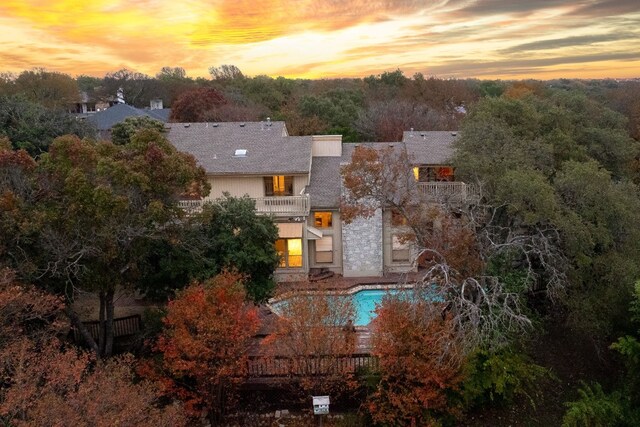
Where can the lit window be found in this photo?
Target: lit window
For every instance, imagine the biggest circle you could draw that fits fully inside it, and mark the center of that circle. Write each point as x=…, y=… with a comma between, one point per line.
x=324, y=249
x=278, y=185
x=290, y=251
x=323, y=219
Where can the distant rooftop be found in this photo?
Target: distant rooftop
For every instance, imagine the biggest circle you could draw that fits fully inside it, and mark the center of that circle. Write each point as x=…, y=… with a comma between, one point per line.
x=106, y=119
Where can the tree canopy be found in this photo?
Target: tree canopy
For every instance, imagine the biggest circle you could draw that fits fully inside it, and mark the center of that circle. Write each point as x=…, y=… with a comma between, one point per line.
x=88, y=210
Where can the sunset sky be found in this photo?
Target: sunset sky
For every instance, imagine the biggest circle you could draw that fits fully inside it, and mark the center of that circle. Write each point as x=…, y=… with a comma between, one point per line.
x=331, y=38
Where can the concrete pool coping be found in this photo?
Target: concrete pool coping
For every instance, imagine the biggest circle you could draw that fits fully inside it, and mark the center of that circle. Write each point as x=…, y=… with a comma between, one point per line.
x=347, y=291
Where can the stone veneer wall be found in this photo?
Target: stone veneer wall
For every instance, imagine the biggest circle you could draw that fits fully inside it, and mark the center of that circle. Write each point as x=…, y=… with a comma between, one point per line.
x=362, y=247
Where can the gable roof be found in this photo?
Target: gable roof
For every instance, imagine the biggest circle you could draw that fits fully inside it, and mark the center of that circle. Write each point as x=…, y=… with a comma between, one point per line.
x=269, y=148
x=429, y=147
x=106, y=119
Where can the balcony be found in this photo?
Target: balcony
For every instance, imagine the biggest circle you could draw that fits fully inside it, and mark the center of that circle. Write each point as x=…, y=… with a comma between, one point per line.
x=452, y=192
x=276, y=205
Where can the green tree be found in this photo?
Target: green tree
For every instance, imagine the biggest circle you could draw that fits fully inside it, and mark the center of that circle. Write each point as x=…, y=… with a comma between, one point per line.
x=33, y=127
x=240, y=239
x=562, y=163
x=48, y=88
x=228, y=234
x=338, y=108
x=121, y=133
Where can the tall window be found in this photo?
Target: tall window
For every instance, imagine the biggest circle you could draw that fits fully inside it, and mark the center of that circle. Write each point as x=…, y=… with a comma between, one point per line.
x=278, y=185
x=290, y=251
x=324, y=249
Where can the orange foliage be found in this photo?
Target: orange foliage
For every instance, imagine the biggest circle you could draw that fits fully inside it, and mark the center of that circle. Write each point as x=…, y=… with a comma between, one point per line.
x=521, y=89
x=204, y=346
x=419, y=359
x=452, y=241
x=315, y=333
x=45, y=382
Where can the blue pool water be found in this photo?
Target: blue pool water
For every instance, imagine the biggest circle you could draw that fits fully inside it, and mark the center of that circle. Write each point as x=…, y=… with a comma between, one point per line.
x=365, y=302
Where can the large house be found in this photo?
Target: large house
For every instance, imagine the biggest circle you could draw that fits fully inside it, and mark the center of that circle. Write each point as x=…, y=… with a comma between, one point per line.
x=296, y=180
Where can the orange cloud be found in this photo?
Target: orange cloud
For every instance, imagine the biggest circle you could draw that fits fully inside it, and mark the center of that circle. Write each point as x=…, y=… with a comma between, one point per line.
x=315, y=38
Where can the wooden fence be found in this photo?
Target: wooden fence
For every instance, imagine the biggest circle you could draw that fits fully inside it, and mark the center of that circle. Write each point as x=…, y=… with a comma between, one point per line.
x=122, y=327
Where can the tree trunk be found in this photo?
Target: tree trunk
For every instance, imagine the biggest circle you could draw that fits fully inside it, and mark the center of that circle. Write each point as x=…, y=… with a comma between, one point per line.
x=102, y=328
x=76, y=322
x=108, y=347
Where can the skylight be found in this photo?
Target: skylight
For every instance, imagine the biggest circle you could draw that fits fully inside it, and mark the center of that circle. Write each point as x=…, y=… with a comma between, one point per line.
x=240, y=153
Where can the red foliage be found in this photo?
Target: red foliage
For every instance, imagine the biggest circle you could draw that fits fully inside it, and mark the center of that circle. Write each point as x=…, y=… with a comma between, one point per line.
x=204, y=346
x=197, y=105
x=315, y=333
x=419, y=359
x=45, y=382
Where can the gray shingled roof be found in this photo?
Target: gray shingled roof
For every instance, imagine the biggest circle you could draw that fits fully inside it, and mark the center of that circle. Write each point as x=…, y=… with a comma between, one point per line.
x=104, y=120
x=429, y=147
x=324, y=183
x=269, y=149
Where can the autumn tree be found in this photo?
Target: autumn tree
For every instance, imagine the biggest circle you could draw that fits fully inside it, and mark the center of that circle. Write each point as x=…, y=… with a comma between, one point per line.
x=420, y=359
x=90, y=211
x=203, y=348
x=197, y=105
x=387, y=120
x=314, y=332
x=456, y=256
x=47, y=382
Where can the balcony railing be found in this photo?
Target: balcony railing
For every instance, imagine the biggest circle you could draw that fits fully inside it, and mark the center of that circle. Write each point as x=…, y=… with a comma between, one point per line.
x=277, y=205
x=455, y=191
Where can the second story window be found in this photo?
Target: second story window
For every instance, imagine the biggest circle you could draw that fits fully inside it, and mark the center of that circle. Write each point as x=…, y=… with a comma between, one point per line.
x=433, y=173
x=278, y=185
x=322, y=219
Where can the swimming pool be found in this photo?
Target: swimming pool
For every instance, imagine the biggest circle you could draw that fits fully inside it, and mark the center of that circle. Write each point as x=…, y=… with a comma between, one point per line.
x=364, y=300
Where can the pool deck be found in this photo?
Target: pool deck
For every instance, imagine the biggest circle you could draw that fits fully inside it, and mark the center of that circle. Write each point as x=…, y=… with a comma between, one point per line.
x=339, y=283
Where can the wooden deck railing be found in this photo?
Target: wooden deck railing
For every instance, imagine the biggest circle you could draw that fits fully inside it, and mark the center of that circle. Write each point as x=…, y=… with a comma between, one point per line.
x=122, y=327
x=276, y=205
x=455, y=191
x=287, y=367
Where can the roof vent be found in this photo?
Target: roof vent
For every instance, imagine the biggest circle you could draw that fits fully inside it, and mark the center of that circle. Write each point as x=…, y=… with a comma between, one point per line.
x=187, y=125
x=454, y=133
x=215, y=125
x=241, y=152
x=423, y=135
x=242, y=125
x=268, y=121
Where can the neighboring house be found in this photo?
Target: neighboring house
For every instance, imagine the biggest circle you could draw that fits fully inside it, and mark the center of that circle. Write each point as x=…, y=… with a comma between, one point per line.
x=104, y=120
x=297, y=180
x=88, y=105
